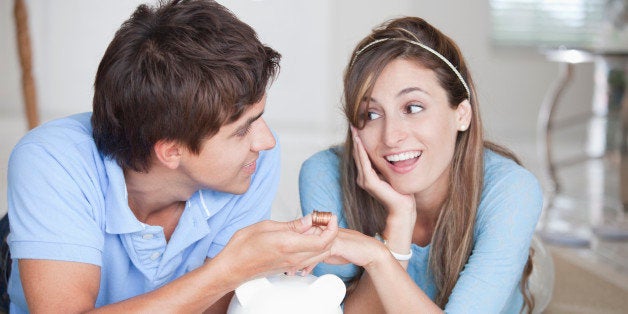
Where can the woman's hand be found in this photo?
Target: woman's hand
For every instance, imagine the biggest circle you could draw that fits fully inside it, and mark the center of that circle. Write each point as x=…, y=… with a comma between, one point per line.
x=385, y=286
x=354, y=247
x=401, y=207
x=369, y=180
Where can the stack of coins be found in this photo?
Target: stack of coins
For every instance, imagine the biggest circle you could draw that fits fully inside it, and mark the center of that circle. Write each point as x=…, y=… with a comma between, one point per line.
x=320, y=218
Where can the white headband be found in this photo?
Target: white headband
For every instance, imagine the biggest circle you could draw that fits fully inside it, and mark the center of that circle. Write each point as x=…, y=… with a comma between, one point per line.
x=434, y=52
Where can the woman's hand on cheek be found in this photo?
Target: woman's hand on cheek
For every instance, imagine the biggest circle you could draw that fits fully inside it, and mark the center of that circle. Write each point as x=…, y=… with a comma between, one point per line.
x=369, y=180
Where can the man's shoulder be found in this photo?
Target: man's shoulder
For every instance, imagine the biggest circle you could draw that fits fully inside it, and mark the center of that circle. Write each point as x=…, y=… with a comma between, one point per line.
x=66, y=141
x=60, y=133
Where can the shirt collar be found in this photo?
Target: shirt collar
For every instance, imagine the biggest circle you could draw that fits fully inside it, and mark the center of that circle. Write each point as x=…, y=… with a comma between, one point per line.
x=210, y=202
x=119, y=217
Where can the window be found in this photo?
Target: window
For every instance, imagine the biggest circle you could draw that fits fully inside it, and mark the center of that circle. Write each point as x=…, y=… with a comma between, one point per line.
x=574, y=23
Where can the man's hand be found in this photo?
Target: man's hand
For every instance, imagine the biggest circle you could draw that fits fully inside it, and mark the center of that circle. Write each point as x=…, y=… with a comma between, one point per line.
x=271, y=247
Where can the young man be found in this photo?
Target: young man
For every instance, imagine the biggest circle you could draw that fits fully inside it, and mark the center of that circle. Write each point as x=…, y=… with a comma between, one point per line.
x=137, y=206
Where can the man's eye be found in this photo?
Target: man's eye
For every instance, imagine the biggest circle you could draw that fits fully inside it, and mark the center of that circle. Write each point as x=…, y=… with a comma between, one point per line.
x=244, y=131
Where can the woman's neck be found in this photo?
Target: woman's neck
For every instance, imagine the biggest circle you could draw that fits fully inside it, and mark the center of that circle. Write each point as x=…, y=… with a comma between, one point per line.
x=429, y=203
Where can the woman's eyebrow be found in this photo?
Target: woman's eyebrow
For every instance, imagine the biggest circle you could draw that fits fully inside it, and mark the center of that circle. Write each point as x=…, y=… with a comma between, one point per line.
x=402, y=92
x=408, y=90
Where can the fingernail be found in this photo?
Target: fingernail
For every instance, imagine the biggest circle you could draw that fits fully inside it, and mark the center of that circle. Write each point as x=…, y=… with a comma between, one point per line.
x=303, y=221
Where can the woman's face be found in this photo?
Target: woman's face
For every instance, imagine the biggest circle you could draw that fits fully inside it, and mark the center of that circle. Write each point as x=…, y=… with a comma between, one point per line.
x=410, y=129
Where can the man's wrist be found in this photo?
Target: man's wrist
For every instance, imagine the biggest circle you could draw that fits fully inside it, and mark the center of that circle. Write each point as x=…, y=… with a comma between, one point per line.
x=224, y=273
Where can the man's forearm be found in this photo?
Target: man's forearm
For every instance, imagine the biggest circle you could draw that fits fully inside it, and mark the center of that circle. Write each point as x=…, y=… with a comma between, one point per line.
x=193, y=292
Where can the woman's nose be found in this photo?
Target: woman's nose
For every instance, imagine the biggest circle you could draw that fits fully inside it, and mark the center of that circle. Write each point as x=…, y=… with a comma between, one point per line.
x=394, y=132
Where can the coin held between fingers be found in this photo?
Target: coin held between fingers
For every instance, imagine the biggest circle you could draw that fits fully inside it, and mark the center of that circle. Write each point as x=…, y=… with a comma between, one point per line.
x=320, y=218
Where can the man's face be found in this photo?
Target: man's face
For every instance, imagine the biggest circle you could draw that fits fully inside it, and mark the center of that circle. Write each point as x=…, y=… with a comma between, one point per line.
x=228, y=159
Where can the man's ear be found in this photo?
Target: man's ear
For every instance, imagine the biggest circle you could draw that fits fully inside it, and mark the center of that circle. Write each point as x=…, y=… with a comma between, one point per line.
x=168, y=153
x=463, y=115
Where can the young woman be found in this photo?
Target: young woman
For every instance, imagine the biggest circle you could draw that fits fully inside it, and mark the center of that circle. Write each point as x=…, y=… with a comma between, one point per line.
x=441, y=219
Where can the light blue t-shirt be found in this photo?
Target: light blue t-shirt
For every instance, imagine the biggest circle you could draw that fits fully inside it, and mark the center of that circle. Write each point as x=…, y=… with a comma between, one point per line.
x=67, y=202
x=509, y=209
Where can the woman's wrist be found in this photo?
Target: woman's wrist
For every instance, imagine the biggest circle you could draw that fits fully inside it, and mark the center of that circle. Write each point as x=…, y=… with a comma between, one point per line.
x=381, y=256
x=400, y=210
x=402, y=257
x=398, y=232
x=403, y=220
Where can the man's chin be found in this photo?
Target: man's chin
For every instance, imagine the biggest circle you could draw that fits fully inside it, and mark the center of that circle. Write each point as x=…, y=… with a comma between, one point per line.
x=238, y=189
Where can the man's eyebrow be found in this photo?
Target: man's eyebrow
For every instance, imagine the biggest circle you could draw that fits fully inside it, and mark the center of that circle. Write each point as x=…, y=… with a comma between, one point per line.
x=248, y=123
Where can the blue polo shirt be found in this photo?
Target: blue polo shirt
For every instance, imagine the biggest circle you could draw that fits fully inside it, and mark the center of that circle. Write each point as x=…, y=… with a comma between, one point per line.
x=68, y=202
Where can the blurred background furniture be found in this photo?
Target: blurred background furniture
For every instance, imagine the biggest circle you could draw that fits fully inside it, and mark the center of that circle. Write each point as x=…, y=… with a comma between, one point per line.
x=585, y=191
x=20, y=13
x=604, y=154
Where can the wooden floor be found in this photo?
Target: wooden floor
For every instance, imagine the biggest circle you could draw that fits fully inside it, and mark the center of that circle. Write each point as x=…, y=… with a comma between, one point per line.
x=583, y=285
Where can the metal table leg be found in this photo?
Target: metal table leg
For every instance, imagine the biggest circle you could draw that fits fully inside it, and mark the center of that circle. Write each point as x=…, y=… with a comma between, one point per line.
x=544, y=123
x=552, y=228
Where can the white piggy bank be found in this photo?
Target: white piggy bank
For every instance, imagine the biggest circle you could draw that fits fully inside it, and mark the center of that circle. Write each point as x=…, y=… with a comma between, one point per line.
x=289, y=294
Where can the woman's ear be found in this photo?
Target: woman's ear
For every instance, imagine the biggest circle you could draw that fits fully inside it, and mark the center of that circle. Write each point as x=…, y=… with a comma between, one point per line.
x=168, y=153
x=463, y=115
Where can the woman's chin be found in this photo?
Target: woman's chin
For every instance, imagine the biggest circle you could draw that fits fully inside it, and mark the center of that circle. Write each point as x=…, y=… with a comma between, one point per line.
x=406, y=188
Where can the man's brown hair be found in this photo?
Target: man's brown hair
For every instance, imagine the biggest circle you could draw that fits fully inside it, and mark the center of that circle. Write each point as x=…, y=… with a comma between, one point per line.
x=177, y=71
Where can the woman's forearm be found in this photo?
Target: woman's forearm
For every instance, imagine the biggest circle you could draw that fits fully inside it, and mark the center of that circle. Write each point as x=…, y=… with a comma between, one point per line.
x=385, y=287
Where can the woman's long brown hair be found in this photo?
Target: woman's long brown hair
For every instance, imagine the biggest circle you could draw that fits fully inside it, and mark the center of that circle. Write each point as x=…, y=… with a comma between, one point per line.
x=452, y=240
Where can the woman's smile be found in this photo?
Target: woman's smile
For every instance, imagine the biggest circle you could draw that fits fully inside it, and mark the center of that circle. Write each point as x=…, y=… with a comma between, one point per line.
x=403, y=162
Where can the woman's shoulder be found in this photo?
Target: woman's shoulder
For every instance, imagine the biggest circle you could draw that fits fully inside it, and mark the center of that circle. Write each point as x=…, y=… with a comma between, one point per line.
x=325, y=160
x=319, y=184
x=508, y=187
x=500, y=170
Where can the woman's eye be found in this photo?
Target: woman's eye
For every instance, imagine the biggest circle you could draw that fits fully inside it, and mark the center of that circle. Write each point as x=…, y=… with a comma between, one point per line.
x=372, y=115
x=414, y=108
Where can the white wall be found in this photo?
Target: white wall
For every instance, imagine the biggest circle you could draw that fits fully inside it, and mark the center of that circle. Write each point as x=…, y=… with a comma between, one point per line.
x=315, y=39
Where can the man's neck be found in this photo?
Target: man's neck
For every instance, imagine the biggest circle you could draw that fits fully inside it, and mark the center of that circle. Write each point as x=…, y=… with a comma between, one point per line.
x=154, y=191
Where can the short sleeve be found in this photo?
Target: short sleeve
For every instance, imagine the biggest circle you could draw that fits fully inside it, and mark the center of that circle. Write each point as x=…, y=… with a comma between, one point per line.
x=49, y=207
x=319, y=189
x=509, y=210
x=255, y=204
